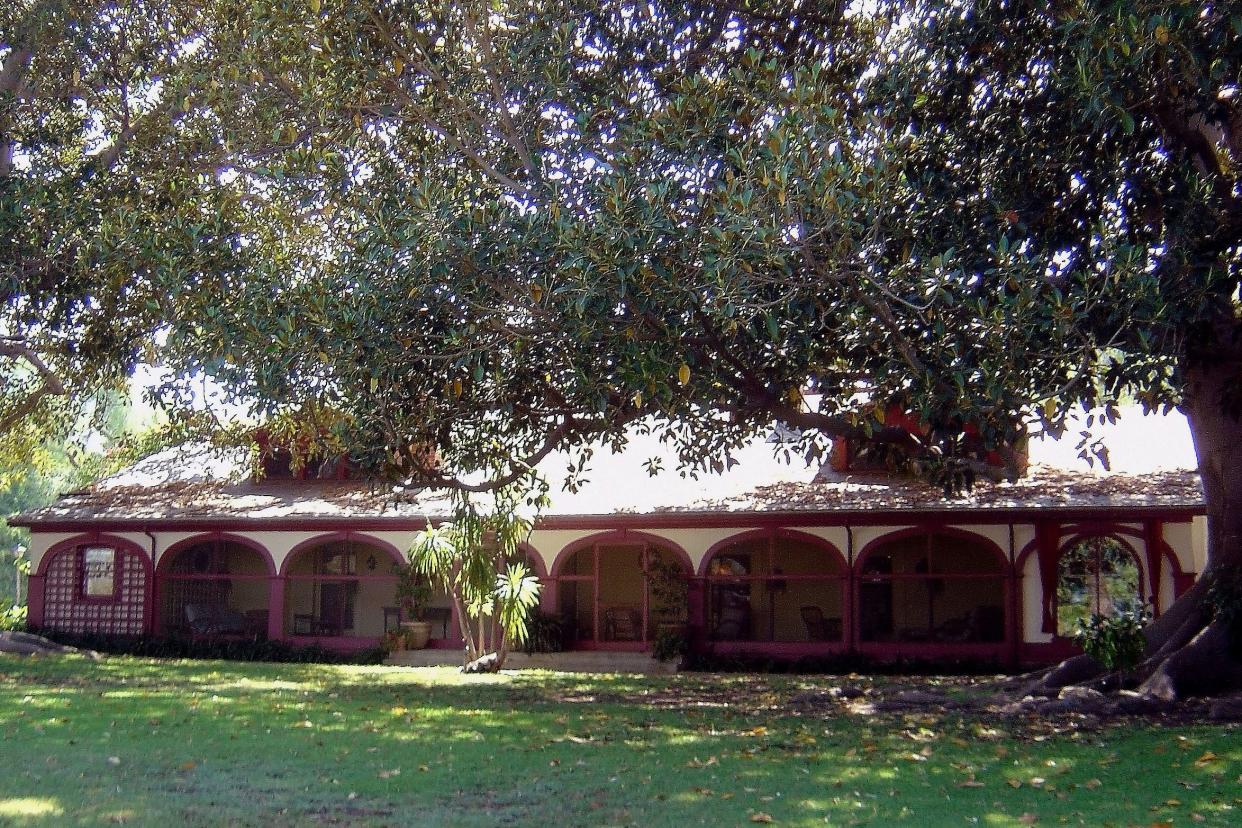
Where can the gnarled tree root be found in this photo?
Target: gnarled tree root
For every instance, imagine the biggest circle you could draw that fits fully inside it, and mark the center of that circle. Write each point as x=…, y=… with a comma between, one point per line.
x=1204, y=666
x=1193, y=660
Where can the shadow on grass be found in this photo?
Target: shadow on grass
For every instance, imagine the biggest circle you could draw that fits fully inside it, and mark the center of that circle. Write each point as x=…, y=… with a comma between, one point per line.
x=206, y=743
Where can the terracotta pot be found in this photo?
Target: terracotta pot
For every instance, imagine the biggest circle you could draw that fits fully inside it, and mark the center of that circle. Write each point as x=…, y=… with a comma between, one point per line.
x=417, y=633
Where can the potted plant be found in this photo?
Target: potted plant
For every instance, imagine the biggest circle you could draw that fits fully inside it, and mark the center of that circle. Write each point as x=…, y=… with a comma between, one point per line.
x=413, y=594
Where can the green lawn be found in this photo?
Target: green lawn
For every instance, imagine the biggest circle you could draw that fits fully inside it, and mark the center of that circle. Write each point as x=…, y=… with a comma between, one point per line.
x=204, y=743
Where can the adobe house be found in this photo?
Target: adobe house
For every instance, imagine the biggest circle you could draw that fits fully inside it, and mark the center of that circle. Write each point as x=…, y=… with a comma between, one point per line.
x=780, y=560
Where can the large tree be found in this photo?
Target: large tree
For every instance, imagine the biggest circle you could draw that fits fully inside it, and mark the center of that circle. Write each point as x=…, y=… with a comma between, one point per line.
x=111, y=208
x=497, y=228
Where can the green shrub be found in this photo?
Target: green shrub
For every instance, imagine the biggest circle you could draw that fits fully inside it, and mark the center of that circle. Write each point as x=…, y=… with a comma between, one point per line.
x=670, y=644
x=1116, y=641
x=227, y=649
x=12, y=617
x=544, y=634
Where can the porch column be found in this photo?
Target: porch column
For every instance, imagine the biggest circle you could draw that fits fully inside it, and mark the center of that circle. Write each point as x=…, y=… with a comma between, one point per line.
x=275, y=608
x=696, y=612
x=1046, y=536
x=34, y=599
x=1153, y=539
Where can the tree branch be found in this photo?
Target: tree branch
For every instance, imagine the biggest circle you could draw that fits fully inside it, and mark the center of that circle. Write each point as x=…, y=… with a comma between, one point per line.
x=15, y=348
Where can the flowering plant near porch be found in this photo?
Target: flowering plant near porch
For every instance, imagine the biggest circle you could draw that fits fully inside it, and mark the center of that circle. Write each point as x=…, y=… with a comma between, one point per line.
x=1116, y=641
x=477, y=559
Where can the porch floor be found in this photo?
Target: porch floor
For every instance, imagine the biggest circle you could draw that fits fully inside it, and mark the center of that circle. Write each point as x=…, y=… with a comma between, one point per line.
x=581, y=661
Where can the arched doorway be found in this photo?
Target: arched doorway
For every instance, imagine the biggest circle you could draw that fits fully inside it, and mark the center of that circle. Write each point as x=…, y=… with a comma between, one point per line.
x=607, y=593
x=341, y=590
x=1096, y=575
x=778, y=587
x=214, y=587
x=932, y=591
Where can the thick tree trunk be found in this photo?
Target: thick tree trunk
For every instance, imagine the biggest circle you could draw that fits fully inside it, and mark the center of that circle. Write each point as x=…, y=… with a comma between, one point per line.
x=1188, y=654
x=1191, y=655
x=1217, y=435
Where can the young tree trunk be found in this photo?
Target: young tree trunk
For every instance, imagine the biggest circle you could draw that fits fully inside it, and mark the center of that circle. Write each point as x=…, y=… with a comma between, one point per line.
x=1188, y=653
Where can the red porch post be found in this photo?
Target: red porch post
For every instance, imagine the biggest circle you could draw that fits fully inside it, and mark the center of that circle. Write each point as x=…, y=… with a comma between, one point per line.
x=34, y=599
x=696, y=612
x=1153, y=540
x=1047, y=536
x=275, y=608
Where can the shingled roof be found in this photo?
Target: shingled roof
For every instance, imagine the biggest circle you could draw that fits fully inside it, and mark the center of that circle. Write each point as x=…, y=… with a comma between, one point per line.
x=195, y=484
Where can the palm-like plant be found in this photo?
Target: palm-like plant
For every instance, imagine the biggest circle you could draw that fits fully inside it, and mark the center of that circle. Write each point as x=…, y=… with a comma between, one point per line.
x=474, y=560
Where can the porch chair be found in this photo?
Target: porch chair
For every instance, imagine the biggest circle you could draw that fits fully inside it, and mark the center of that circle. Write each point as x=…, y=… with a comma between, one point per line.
x=214, y=619
x=622, y=624
x=819, y=628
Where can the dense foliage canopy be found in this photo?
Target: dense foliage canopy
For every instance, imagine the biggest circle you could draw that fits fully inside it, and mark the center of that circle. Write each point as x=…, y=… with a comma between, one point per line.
x=497, y=227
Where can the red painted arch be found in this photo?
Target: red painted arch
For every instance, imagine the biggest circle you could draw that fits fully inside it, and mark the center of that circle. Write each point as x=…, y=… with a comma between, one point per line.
x=94, y=538
x=1079, y=532
x=172, y=551
x=331, y=537
x=765, y=534
x=134, y=551
x=1094, y=528
x=1074, y=535
x=622, y=536
x=1005, y=572
x=1082, y=536
x=533, y=557
x=1167, y=553
x=921, y=531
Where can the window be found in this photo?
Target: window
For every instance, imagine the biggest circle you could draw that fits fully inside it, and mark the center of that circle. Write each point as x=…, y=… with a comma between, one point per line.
x=99, y=572
x=1095, y=576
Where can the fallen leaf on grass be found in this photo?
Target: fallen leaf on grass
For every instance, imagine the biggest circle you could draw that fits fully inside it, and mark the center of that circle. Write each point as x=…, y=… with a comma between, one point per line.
x=1207, y=758
x=970, y=782
x=760, y=816
x=1015, y=783
x=696, y=762
x=1028, y=819
x=188, y=766
x=1092, y=784
x=387, y=774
